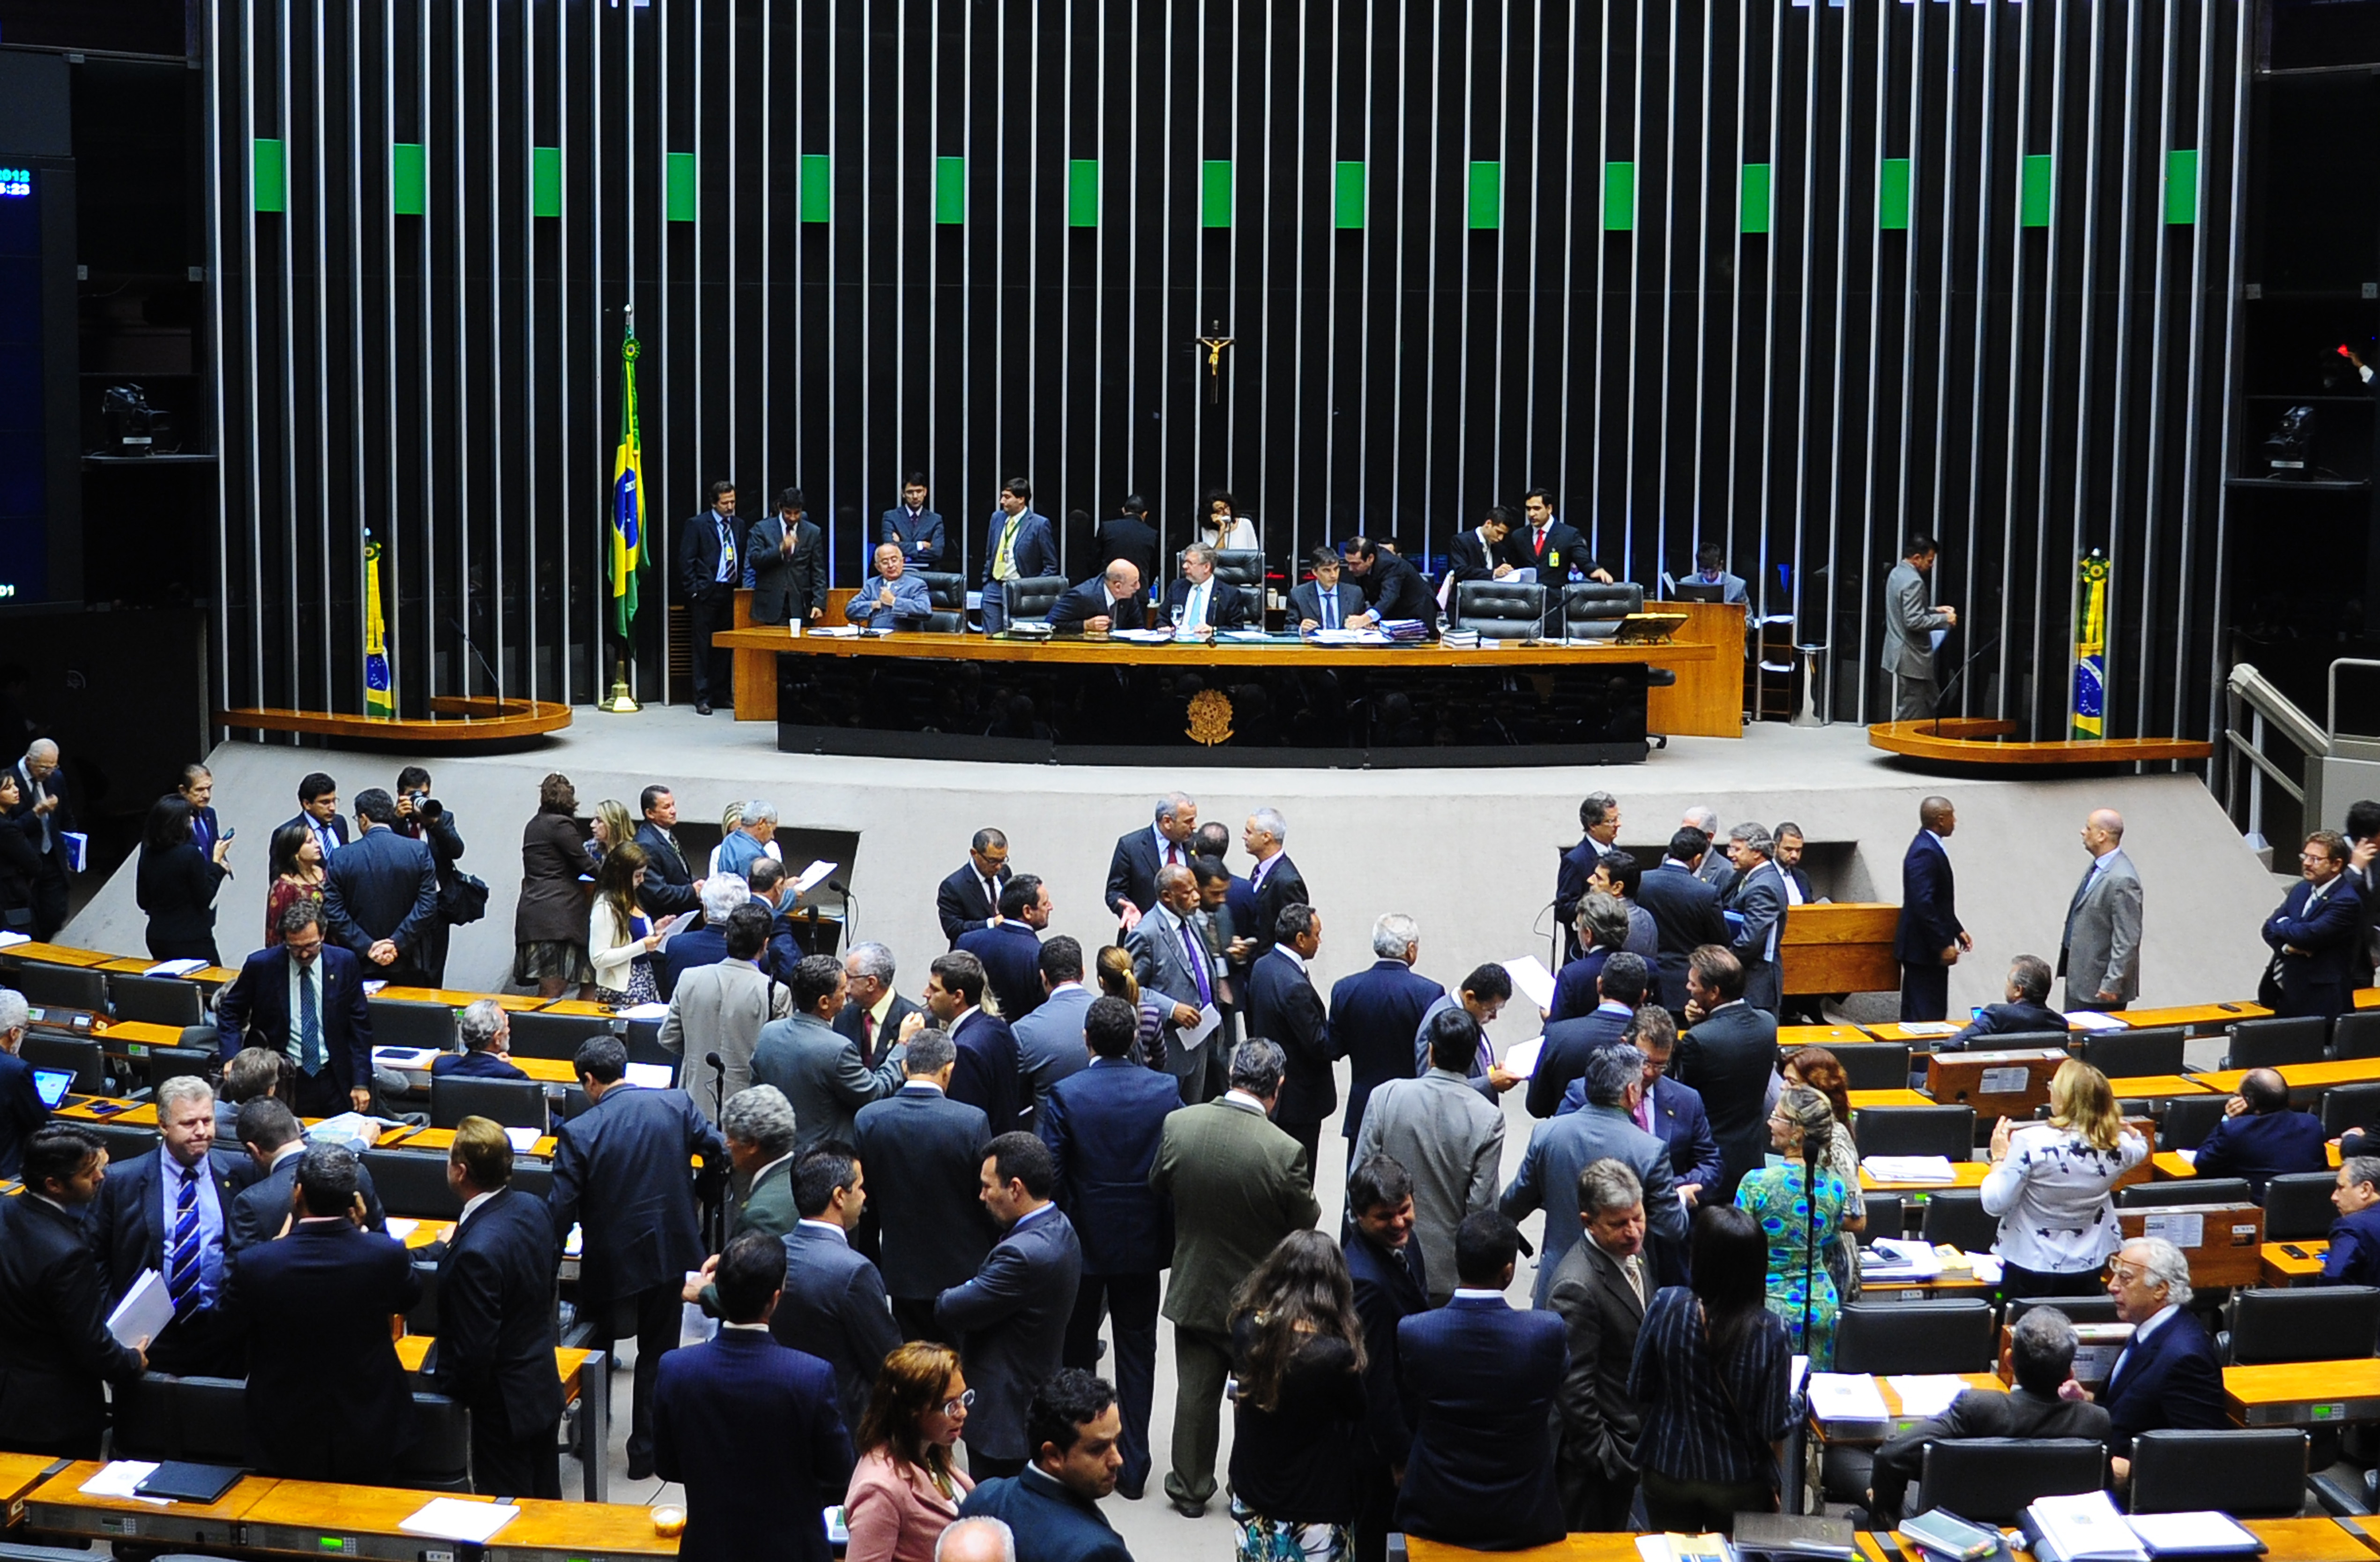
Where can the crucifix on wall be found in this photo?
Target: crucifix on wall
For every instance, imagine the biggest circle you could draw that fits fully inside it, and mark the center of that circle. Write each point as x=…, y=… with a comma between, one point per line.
x=1214, y=341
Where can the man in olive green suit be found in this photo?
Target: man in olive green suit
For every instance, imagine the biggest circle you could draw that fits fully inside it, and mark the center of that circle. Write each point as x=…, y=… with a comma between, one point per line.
x=1239, y=1185
x=759, y=1126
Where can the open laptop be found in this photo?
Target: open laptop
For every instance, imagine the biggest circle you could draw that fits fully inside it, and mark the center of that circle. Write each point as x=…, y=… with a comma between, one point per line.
x=51, y=1085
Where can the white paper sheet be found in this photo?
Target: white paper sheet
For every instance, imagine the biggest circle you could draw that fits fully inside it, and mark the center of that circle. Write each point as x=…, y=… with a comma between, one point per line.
x=117, y=1478
x=416, y=1059
x=1522, y=1058
x=1926, y=1394
x=1909, y=1169
x=2086, y=1527
x=1845, y=1397
x=1532, y=980
x=2091, y=1019
x=401, y=1227
x=2204, y=1531
x=454, y=1519
x=1928, y=1028
x=523, y=1140
x=1209, y=1020
x=7, y=939
x=809, y=877
x=174, y=968
x=643, y=1011
x=651, y=1076
x=694, y=1326
x=143, y=1313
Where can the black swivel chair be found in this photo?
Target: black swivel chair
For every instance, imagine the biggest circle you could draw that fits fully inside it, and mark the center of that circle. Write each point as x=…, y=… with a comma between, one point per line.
x=1884, y=1215
x=1994, y=1480
x=2131, y=1055
x=64, y=986
x=2188, y=1119
x=413, y=1183
x=1498, y=609
x=167, y=1063
x=2310, y=1323
x=513, y=1104
x=1244, y=567
x=2356, y=1035
x=2350, y=1106
x=440, y=1457
x=1030, y=598
x=412, y=1025
x=123, y=1140
x=422, y=1318
x=948, y=593
x=43, y=1049
x=1875, y=1065
x=1914, y=1131
x=1956, y=1215
x=194, y=1420
x=2098, y=1308
x=2185, y=1190
x=555, y=1036
x=1593, y=610
x=2275, y=1044
x=1954, y=1335
x=2248, y=1473
x=2298, y=1206
x=156, y=1000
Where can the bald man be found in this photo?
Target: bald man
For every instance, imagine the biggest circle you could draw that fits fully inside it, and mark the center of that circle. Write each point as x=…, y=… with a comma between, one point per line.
x=2100, y=954
x=1110, y=602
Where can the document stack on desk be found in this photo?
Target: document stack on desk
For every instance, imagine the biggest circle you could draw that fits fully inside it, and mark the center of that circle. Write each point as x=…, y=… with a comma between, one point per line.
x=1892, y=1258
x=2083, y=1528
x=1848, y=1404
x=1909, y=1169
x=1404, y=631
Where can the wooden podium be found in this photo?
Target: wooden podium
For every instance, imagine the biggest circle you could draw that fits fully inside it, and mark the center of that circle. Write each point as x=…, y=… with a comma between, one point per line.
x=1843, y=946
x=1997, y=1084
x=2224, y=1243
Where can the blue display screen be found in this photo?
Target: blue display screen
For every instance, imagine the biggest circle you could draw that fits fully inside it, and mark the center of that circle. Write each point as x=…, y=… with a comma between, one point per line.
x=24, y=505
x=16, y=183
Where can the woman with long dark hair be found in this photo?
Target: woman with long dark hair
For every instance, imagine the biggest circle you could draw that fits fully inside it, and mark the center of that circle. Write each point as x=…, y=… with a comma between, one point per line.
x=296, y=861
x=175, y=884
x=1712, y=1371
x=620, y=938
x=20, y=859
x=549, y=922
x=1298, y=1352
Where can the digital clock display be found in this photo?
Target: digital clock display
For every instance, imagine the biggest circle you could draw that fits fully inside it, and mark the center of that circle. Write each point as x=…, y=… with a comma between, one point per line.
x=16, y=183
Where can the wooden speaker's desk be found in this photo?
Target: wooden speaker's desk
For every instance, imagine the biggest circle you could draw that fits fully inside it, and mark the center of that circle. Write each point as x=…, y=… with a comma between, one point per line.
x=59, y=1507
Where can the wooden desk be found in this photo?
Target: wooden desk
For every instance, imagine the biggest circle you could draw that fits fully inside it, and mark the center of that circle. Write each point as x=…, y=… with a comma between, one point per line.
x=1963, y=1174
x=2285, y=1540
x=2367, y=997
x=2194, y=1018
x=444, y=1139
x=215, y=976
x=545, y=1070
x=2159, y=1087
x=2303, y=1076
x=2303, y=1393
x=118, y=1035
x=2170, y=1167
x=413, y=1350
x=1615, y=1547
x=312, y=1518
x=2229, y=1249
x=57, y=955
x=2283, y=1269
x=512, y=1003
x=1889, y=1098
x=142, y=1115
x=57, y=1507
x=1792, y=1038
x=20, y=1473
x=1842, y=946
x=1997, y=1084
x=1897, y=1419
x=1895, y=1032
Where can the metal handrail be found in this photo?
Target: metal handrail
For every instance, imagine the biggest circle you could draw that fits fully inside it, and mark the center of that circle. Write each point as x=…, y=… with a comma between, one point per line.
x=2248, y=687
x=2345, y=662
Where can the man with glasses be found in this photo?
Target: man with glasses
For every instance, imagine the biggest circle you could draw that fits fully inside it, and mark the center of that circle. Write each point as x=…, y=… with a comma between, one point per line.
x=2313, y=935
x=2167, y=1377
x=305, y=1000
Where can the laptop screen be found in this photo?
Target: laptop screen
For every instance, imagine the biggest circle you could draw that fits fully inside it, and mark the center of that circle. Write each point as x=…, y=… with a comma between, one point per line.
x=52, y=1084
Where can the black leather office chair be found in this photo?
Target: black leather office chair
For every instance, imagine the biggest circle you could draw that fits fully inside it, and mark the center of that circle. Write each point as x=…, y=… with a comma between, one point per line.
x=533, y=1179
x=413, y=1183
x=948, y=593
x=123, y=1140
x=1949, y=1336
x=1994, y=1480
x=1875, y=1065
x=440, y=1457
x=1886, y=1213
x=2298, y=1206
x=1956, y=1215
x=556, y=1035
x=1244, y=567
x=2356, y=1035
x=43, y=1049
x=2098, y=1308
x=422, y=1317
x=156, y=1000
x=2187, y=1120
x=66, y=986
x=1914, y=1131
x=2248, y=1473
x=2309, y=1323
x=2274, y=1044
x=2350, y=1106
x=412, y=1025
x=194, y=1420
x=513, y=1104
x=2131, y=1055
x=162, y=1064
x=2186, y=1190
x=1498, y=609
x=1030, y=598
x=2024, y=1040
x=1591, y=609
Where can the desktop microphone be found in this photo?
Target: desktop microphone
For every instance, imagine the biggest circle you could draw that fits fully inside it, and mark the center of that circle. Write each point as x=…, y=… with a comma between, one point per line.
x=718, y=1079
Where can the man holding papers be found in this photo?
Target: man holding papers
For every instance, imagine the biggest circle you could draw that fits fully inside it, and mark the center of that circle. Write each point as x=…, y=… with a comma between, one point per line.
x=55, y=1349
x=1170, y=959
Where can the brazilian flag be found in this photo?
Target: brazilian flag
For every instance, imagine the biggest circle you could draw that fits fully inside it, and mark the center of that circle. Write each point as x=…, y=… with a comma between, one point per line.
x=380, y=700
x=628, y=551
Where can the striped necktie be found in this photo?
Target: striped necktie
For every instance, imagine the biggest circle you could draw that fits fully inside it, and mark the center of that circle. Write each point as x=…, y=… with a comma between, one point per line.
x=182, y=1267
x=309, y=1025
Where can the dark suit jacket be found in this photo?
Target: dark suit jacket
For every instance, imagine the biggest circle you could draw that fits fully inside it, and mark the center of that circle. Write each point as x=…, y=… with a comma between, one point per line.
x=834, y=1307
x=1564, y=1056
x=496, y=1317
x=1929, y=904
x=959, y=901
x=767, y=1206
x=2316, y=982
x=473, y=1066
x=1010, y=953
x=21, y=1112
x=257, y=1213
x=1680, y=1122
x=695, y=946
x=2263, y=1145
x=1103, y=1124
x=1686, y=915
x=1128, y=537
x=1089, y=599
x=1284, y=1009
x=1284, y=885
x=1037, y=544
x=922, y=1153
x=334, y=1288
x=2171, y=1380
x=1374, y=1015
x=1570, y=889
x=125, y=1225
x=382, y=885
x=337, y=826
x=1227, y=606
x=1011, y=1322
x=1395, y=590
x=988, y=1076
x=1467, y=557
x=620, y=1174
x=1386, y=1293
x=177, y=889
x=254, y=1010
x=784, y=589
x=55, y=1348
x=1565, y=550
x=1759, y=899
x=669, y=883
x=1481, y=1377
x=1050, y=1523
x=1132, y=871
x=846, y=1025
x=753, y=1431
x=2354, y=1256
x=205, y=829
x=1600, y=1418
x=1978, y=1413
x=1727, y=1061
x=1305, y=601
x=1574, y=985
x=897, y=525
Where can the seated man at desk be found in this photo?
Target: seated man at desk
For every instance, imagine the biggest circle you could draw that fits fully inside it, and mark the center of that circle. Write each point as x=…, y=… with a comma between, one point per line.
x=2042, y=1351
x=2354, y=1256
x=1110, y=601
x=1327, y=602
x=2167, y=1376
x=2260, y=1137
x=2027, y=1008
x=892, y=598
x=486, y=1032
x=1198, y=603
x=1710, y=570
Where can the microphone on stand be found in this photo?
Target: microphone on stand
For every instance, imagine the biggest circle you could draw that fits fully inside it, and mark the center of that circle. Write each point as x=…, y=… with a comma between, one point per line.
x=718, y=1081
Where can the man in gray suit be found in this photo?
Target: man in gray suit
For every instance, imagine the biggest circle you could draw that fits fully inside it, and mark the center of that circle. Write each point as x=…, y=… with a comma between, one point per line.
x=1171, y=959
x=2100, y=955
x=1601, y=1289
x=820, y=1069
x=1050, y=1040
x=1759, y=900
x=1446, y=1135
x=1562, y=1147
x=723, y=1007
x=1908, y=626
x=1010, y=1321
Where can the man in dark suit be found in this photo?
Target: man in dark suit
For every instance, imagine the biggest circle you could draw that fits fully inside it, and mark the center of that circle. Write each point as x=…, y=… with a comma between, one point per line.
x=1011, y=1318
x=1018, y=545
x=2354, y=1256
x=1051, y=1505
x=2261, y=1137
x=2313, y=934
x=620, y=1173
x=1011, y=949
x=988, y=1076
x=486, y=1032
x=751, y=1428
x=1103, y=1126
x=1392, y=1284
x=380, y=897
x=833, y=1304
x=785, y=563
x=2027, y=1009
x=1599, y=823
x=1239, y=1185
x=1327, y=602
x=1132, y=871
x=922, y=1151
x=914, y=528
x=1050, y=1044
x=317, y=813
x=495, y=1318
x=872, y=1012
x=1605, y=1128
x=431, y=823
x=1273, y=882
x=2042, y=1349
x=2169, y=1375
x=1601, y=1289
x=1930, y=939
x=1568, y=1044
x=303, y=999
x=1392, y=587
x=1756, y=908
x=1551, y=546
x=1284, y=1009
x=21, y=1112
x=1728, y=1058
x=670, y=886
x=1375, y=1013
x=55, y=1347
x=271, y=1135
x=1197, y=603
x=169, y=1211
x=819, y=1070
x=1481, y=1378
x=41, y=813
x=1110, y=600
x=1483, y=553
x=1685, y=911
x=335, y=1286
x=1128, y=536
x=969, y=898
x=710, y=566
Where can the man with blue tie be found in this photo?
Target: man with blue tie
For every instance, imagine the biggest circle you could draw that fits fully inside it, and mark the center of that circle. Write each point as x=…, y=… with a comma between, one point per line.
x=1930, y=937
x=1170, y=961
x=304, y=999
x=1197, y=605
x=1022, y=547
x=2167, y=1377
x=318, y=813
x=1757, y=908
x=167, y=1210
x=1327, y=602
x=710, y=563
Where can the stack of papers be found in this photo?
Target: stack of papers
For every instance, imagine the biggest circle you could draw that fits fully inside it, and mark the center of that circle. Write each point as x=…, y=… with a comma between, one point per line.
x=1142, y=637
x=2091, y=1019
x=117, y=1478
x=351, y=1128
x=2083, y=1528
x=1532, y=980
x=143, y=1313
x=1891, y=1258
x=1909, y=1169
x=459, y=1518
x=523, y=1140
x=1845, y=1397
x=642, y=1011
x=1460, y=639
x=404, y=1057
x=174, y=968
x=1929, y=1028
x=1242, y=634
x=1926, y=1394
x=1337, y=637
x=1404, y=630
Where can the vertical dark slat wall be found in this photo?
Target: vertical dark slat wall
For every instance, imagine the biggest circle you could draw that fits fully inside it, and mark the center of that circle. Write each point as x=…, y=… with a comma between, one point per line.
x=1797, y=278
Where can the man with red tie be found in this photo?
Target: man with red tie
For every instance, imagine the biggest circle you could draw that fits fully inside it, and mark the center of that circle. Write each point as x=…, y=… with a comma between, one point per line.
x=1552, y=548
x=1132, y=872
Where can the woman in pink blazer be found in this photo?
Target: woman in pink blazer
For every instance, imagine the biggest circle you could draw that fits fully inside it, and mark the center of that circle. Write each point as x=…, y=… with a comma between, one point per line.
x=904, y=1492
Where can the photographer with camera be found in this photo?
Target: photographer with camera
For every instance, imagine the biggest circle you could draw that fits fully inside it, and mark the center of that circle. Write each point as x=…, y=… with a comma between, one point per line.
x=461, y=897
